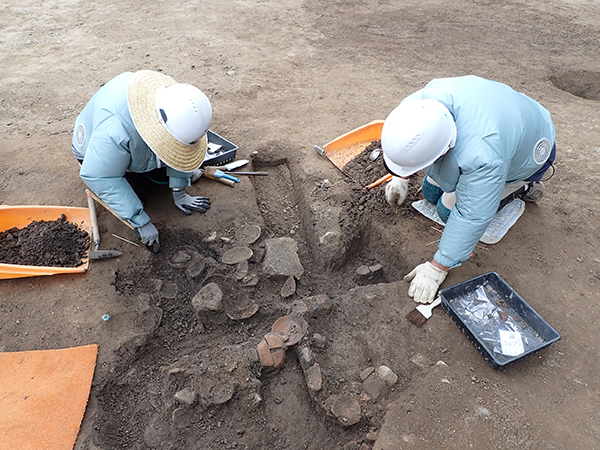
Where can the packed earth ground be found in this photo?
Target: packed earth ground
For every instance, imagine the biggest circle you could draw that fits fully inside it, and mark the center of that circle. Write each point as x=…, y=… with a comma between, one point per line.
x=283, y=76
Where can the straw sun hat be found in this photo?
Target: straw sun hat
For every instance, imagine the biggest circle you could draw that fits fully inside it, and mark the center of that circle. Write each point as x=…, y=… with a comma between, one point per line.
x=141, y=98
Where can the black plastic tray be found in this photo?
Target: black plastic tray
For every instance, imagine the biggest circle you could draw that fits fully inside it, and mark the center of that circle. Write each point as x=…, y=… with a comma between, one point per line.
x=522, y=317
x=224, y=155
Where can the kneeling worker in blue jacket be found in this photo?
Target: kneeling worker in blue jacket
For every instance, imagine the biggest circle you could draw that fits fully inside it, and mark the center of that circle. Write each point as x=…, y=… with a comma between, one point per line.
x=138, y=125
x=479, y=142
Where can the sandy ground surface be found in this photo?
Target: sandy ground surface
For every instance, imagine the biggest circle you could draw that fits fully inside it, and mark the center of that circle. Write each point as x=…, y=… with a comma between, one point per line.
x=283, y=76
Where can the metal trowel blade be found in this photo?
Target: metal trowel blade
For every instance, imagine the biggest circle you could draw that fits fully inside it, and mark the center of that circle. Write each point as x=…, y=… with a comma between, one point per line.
x=319, y=150
x=104, y=254
x=236, y=164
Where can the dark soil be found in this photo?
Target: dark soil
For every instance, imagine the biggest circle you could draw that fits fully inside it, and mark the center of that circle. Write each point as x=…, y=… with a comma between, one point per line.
x=53, y=243
x=206, y=353
x=370, y=205
x=362, y=169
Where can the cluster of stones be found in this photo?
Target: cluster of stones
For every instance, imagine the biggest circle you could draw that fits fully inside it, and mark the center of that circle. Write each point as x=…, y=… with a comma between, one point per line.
x=289, y=332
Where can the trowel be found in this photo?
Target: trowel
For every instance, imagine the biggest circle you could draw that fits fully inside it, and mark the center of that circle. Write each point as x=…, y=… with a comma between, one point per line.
x=235, y=164
x=155, y=247
x=96, y=253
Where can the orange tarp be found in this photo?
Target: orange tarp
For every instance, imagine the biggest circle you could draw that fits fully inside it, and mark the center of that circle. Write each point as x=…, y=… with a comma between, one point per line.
x=43, y=395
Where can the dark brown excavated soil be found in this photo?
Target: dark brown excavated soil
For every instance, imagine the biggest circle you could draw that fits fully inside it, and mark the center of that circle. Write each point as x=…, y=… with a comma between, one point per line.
x=47, y=243
x=370, y=204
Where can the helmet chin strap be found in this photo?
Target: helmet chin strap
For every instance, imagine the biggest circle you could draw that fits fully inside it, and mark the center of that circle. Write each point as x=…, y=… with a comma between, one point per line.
x=453, y=138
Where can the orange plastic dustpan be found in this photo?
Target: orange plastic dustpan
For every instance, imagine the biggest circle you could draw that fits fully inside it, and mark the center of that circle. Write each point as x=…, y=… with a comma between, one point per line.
x=345, y=148
x=21, y=216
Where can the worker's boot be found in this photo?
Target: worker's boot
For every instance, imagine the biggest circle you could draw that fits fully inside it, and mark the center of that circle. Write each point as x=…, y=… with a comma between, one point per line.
x=534, y=192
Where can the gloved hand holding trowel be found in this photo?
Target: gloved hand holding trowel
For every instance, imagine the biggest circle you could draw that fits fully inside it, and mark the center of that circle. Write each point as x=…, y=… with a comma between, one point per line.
x=138, y=130
x=396, y=190
x=479, y=142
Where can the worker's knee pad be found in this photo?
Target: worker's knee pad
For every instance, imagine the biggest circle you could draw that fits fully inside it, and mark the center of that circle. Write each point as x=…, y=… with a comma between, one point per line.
x=444, y=205
x=442, y=211
x=431, y=191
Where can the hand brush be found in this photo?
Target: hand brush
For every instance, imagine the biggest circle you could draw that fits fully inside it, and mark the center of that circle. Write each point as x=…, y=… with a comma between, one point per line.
x=211, y=171
x=421, y=313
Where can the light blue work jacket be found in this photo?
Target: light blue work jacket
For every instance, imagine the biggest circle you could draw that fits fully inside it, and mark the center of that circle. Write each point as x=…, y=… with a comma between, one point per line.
x=497, y=131
x=110, y=146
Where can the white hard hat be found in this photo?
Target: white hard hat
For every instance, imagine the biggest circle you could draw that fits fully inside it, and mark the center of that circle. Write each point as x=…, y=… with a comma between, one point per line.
x=185, y=112
x=415, y=134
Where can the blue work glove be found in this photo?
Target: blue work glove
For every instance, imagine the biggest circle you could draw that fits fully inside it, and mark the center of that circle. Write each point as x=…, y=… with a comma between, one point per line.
x=148, y=234
x=186, y=203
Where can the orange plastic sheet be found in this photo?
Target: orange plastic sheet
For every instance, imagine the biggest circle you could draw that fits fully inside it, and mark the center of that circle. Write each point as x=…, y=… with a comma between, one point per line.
x=43, y=396
x=346, y=147
x=21, y=216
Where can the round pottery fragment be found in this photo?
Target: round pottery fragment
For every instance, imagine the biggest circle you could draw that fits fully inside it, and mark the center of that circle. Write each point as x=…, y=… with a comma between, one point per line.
x=275, y=340
x=237, y=255
x=292, y=328
x=299, y=307
x=237, y=303
x=241, y=311
x=264, y=354
x=278, y=357
x=180, y=259
x=221, y=394
x=346, y=410
x=241, y=270
x=247, y=234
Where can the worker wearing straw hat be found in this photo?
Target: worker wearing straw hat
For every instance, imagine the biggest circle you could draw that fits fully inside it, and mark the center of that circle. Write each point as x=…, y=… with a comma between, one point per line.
x=142, y=127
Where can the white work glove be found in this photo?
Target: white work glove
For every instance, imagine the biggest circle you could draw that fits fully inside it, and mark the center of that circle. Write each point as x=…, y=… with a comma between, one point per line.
x=186, y=203
x=425, y=280
x=396, y=190
x=148, y=234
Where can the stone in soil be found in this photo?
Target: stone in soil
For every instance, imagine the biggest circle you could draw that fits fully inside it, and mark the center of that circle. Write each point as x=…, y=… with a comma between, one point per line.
x=186, y=396
x=289, y=287
x=281, y=258
x=209, y=298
